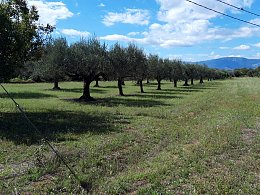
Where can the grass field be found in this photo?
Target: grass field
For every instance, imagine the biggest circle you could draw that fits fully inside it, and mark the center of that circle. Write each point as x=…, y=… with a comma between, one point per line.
x=189, y=140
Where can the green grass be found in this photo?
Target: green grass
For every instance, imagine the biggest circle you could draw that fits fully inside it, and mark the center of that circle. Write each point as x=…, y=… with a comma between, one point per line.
x=189, y=140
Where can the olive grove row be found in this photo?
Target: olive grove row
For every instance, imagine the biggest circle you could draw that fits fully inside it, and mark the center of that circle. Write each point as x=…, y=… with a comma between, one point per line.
x=90, y=60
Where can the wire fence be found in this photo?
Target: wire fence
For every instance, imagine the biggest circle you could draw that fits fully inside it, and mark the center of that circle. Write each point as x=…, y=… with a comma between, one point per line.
x=84, y=185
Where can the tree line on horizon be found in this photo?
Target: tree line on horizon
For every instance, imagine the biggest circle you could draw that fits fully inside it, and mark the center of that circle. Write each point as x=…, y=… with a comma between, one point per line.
x=246, y=72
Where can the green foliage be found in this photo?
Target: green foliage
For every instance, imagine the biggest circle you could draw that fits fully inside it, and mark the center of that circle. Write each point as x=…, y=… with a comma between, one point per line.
x=176, y=71
x=88, y=59
x=54, y=61
x=119, y=60
x=20, y=80
x=137, y=60
x=247, y=72
x=20, y=38
x=122, y=61
x=156, y=67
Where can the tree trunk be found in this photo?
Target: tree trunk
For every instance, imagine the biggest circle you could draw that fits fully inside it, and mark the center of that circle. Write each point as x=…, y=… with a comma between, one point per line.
x=147, y=82
x=56, y=85
x=119, y=85
x=192, y=81
x=86, y=91
x=186, y=83
x=175, y=82
x=141, y=86
x=159, y=84
x=96, y=85
x=201, y=80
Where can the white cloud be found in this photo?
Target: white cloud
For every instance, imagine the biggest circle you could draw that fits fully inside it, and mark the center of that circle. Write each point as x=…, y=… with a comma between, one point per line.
x=74, y=33
x=242, y=47
x=235, y=56
x=224, y=48
x=101, y=5
x=184, y=24
x=213, y=55
x=170, y=35
x=130, y=16
x=133, y=33
x=257, y=55
x=189, y=24
x=51, y=12
x=257, y=44
x=172, y=11
x=116, y=37
x=256, y=21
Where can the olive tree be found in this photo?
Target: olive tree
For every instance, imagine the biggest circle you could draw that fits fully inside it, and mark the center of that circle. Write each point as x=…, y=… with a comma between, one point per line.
x=176, y=71
x=186, y=74
x=138, y=62
x=157, y=69
x=87, y=59
x=121, y=66
x=202, y=72
x=193, y=72
x=53, y=64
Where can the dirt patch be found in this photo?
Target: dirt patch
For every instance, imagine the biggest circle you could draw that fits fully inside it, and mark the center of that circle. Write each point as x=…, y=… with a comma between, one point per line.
x=191, y=146
x=258, y=124
x=1, y=168
x=44, y=181
x=190, y=115
x=248, y=135
x=14, y=170
x=254, y=97
x=258, y=177
x=137, y=185
x=130, y=129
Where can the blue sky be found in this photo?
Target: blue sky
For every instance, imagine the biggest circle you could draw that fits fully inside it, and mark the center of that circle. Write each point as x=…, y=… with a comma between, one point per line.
x=169, y=28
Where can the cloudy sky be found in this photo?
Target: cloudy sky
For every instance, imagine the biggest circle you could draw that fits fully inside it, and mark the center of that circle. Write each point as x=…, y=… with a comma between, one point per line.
x=170, y=28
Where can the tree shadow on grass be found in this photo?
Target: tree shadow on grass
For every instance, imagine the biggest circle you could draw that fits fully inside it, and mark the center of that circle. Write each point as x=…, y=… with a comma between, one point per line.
x=108, y=87
x=80, y=90
x=187, y=90
x=118, y=100
x=26, y=95
x=176, y=91
x=153, y=84
x=206, y=85
x=125, y=101
x=54, y=125
x=156, y=96
x=197, y=87
x=72, y=90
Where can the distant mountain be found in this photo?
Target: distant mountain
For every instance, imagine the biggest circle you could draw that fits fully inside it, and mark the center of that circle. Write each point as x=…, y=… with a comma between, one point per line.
x=231, y=63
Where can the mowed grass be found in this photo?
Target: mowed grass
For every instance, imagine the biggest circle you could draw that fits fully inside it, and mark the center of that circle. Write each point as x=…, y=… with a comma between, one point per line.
x=187, y=140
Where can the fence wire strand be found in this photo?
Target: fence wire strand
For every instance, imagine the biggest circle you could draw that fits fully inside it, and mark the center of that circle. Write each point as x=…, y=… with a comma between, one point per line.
x=82, y=184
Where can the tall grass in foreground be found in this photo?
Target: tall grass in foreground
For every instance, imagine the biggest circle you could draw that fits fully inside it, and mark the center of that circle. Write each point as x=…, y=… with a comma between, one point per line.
x=193, y=140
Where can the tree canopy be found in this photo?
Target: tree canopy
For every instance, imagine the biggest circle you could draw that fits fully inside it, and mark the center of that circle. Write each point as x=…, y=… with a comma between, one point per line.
x=52, y=67
x=20, y=35
x=88, y=59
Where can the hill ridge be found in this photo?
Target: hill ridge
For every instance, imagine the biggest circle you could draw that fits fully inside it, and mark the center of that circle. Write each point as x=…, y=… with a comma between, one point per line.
x=231, y=63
